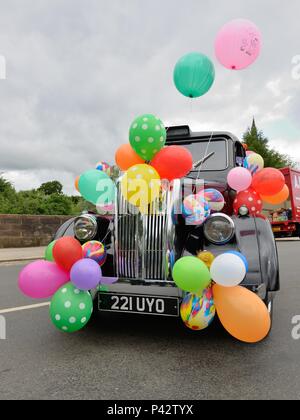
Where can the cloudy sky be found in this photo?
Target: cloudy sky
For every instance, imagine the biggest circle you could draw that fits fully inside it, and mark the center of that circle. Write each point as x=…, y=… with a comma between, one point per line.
x=79, y=71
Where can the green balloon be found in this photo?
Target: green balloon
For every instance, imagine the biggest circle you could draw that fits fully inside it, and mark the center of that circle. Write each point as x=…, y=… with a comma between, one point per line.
x=147, y=136
x=191, y=275
x=97, y=187
x=71, y=309
x=194, y=75
x=49, y=252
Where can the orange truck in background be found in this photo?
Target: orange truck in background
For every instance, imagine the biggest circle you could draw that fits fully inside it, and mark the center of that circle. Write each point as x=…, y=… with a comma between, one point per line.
x=285, y=219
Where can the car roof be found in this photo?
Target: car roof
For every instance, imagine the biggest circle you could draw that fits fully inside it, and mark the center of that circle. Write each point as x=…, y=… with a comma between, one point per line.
x=182, y=133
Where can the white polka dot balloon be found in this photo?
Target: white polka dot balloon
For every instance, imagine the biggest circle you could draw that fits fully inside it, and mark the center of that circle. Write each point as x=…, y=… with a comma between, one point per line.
x=147, y=136
x=71, y=308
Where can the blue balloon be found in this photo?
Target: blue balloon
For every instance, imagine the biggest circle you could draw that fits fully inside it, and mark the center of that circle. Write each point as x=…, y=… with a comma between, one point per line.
x=238, y=254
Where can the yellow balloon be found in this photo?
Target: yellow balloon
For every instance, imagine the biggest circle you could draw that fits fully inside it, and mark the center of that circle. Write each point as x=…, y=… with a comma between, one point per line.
x=141, y=186
x=207, y=257
x=255, y=163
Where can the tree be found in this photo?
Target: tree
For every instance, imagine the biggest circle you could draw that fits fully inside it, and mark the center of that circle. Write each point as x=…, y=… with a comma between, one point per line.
x=52, y=187
x=6, y=187
x=257, y=142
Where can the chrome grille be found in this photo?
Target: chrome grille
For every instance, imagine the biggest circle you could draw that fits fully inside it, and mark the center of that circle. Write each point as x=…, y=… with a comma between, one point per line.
x=144, y=241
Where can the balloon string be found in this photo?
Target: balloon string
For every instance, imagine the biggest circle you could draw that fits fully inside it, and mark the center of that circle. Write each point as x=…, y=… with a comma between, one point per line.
x=206, y=152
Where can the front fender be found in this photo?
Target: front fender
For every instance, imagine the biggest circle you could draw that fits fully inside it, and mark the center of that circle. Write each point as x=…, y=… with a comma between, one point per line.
x=254, y=239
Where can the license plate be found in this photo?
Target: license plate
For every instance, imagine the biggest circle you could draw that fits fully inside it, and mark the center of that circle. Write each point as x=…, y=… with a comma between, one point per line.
x=277, y=229
x=138, y=304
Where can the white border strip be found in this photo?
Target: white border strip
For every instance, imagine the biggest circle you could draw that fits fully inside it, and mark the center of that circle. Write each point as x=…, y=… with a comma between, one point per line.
x=23, y=308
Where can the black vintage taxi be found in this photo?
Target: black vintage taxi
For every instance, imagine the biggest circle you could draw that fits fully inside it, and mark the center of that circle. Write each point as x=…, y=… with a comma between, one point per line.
x=142, y=249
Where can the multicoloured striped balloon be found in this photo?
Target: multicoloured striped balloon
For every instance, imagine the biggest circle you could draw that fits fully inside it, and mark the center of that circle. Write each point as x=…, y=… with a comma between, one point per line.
x=96, y=251
x=195, y=210
x=198, y=312
x=215, y=199
x=104, y=167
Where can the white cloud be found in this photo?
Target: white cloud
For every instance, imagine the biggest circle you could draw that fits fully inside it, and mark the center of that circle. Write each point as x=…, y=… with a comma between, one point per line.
x=79, y=72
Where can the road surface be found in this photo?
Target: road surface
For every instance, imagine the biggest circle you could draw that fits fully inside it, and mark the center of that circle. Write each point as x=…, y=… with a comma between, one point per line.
x=130, y=357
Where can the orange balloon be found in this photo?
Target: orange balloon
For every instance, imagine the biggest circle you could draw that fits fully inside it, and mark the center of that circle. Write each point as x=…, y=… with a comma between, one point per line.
x=277, y=198
x=242, y=313
x=126, y=157
x=77, y=183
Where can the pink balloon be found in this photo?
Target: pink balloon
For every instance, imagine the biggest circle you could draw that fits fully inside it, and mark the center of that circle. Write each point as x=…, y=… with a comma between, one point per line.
x=238, y=44
x=239, y=179
x=42, y=279
x=249, y=153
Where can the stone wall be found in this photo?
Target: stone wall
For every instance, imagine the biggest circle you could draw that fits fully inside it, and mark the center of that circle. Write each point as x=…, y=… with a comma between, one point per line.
x=18, y=231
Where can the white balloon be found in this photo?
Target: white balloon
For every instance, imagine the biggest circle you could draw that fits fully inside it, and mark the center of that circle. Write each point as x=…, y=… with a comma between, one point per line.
x=228, y=270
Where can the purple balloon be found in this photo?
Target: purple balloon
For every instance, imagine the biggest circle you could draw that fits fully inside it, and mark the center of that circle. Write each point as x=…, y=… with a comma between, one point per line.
x=42, y=279
x=86, y=274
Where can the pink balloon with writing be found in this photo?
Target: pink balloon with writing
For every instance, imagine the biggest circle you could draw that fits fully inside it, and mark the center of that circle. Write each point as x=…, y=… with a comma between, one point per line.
x=238, y=44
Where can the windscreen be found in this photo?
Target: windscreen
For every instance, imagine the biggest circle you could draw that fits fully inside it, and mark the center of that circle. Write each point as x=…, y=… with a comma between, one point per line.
x=216, y=154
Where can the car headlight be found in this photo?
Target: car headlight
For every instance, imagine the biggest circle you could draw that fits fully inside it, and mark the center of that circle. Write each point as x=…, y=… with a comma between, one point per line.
x=85, y=227
x=243, y=211
x=219, y=229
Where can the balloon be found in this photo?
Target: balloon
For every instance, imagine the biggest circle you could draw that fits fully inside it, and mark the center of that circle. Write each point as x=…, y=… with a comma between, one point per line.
x=147, y=136
x=77, y=183
x=104, y=167
x=66, y=252
x=215, y=199
x=250, y=199
x=249, y=153
x=71, y=309
x=239, y=179
x=194, y=75
x=238, y=44
x=243, y=258
x=49, y=252
x=96, y=251
x=198, y=312
x=279, y=198
x=126, y=157
x=195, y=210
x=86, y=274
x=268, y=182
x=173, y=162
x=140, y=186
x=191, y=275
x=242, y=313
x=228, y=270
x=41, y=279
x=96, y=187
x=207, y=257
x=254, y=163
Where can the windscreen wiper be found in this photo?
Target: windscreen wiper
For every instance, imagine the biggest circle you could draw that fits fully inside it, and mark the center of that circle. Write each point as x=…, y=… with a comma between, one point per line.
x=201, y=161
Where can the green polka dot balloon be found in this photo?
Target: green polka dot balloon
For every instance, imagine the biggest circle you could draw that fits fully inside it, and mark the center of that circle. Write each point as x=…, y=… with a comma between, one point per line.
x=147, y=136
x=71, y=308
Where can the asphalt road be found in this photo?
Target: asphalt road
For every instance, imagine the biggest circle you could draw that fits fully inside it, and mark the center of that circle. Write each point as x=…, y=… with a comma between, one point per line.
x=129, y=357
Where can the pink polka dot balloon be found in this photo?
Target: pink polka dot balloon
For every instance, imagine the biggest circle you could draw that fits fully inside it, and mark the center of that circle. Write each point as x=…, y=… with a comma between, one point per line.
x=238, y=44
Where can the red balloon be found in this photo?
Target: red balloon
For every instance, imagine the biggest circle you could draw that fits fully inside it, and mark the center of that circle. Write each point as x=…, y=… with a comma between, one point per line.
x=173, y=162
x=268, y=182
x=66, y=252
x=250, y=199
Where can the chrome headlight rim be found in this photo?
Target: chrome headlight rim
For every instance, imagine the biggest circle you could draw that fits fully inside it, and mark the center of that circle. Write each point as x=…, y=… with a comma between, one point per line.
x=88, y=229
x=216, y=216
